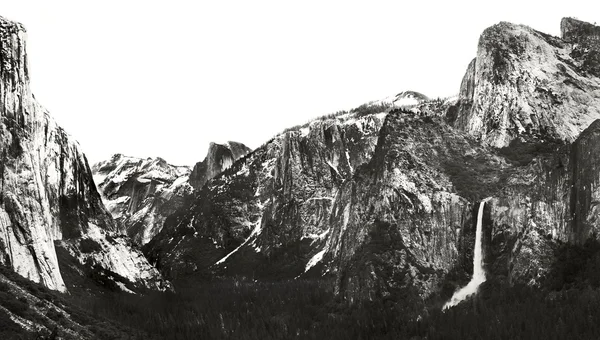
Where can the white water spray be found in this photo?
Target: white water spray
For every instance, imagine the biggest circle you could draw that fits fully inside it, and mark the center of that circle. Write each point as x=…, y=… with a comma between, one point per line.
x=478, y=272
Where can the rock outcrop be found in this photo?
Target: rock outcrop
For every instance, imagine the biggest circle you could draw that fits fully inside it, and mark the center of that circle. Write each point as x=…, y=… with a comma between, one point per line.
x=524, y=82
x=219, y=158
x=47, y=193
x=141, y=193
x=584, y=39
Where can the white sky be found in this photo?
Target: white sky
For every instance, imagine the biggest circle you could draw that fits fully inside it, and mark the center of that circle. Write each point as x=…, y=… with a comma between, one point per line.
x=164, y=78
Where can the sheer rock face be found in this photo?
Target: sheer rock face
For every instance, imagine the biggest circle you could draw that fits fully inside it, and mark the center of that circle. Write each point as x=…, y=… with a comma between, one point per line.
x=407, y=219
x=550, y=201
x=219, y=158
x=524, y=82
x=400, y=222
x=47, y=191
x=268, y=214
x=141, y=193
x=527, y=86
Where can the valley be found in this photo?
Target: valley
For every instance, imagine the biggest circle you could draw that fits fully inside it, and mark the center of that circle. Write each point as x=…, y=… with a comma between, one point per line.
x=466, y=217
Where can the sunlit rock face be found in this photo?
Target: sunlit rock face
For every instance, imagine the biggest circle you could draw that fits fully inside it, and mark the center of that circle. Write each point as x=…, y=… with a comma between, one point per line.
x=268, y=214
x=141, y=193
x=524, y=82
x=219, y=158
x=47, y=192
x=536, y=95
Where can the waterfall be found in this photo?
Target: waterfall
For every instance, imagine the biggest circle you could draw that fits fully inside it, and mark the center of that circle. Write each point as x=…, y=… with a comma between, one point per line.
x=478, y=272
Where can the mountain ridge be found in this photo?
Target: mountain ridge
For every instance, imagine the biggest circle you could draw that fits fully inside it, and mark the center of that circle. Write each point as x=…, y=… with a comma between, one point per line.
x=141, y=193
x=371, y=211
x=504, y=130
x=218, y=158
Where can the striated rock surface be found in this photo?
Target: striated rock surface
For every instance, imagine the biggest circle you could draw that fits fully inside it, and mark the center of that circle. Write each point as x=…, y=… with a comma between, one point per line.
x=585, y=190
x=219, y=158
x=406, y=219
x=268, y=214
x=141, y=193
x=551, y=201
x=47, y=192
x=536, y=96
x=527, y=82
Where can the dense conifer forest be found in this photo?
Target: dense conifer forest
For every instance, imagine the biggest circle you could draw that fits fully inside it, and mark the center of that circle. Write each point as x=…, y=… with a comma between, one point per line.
x=564, y=308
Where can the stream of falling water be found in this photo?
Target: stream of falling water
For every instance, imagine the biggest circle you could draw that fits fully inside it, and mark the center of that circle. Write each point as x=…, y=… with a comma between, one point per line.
x=478, y=272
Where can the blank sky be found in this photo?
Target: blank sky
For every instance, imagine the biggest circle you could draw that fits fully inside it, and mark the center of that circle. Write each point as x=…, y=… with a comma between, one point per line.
x=150, y=78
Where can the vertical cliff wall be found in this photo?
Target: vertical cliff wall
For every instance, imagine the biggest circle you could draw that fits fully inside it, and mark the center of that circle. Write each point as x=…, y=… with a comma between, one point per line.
x=47, y=191
x=218, y=159
x=535, y=95
x=524, y=82
x=403, y=222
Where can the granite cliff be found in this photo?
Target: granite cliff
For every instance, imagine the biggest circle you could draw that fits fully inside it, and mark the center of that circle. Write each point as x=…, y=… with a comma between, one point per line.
x=524, y=82
x=48, y=199
x=218, y=158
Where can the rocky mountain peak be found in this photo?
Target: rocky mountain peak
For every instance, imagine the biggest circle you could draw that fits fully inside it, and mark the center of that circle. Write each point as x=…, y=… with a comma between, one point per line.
x=574, y=30
x=278, y=197
x=139, y=193
x=218, y=158
x=524, y=82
